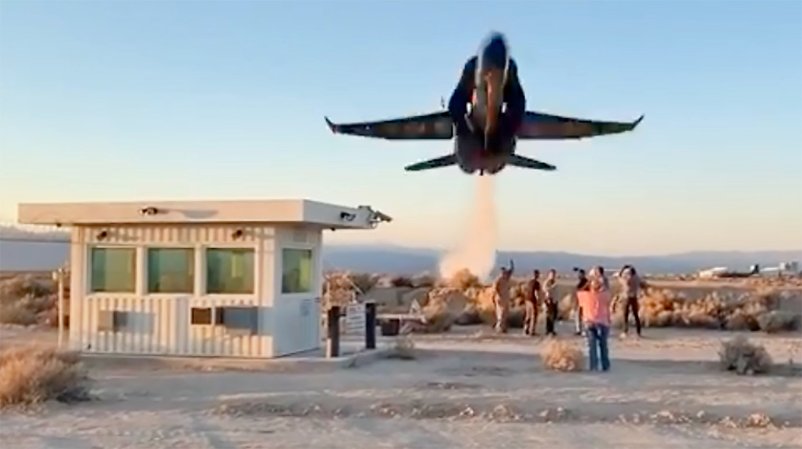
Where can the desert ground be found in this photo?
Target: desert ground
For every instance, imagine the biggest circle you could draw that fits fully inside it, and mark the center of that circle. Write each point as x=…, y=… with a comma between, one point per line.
x=469, y=389
x=460, y=387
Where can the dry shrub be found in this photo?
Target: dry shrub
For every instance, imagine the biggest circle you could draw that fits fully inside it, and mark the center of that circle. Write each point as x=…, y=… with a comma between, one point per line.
x=21, y=286
x=566, y=306
x=560, y=355
x=778, y=321
x=470, y=315
x=363, y=281
x=442, y=307
x=403, y=348
x=401, y=281
x=463, y=280
x=35, y=374
x=424, y=280
x=744, y=357
x=17, y=313
x=730, y=311
x=28, y=309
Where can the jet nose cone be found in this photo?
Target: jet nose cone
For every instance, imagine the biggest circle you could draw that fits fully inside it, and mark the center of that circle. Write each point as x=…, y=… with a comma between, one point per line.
x=494, y=52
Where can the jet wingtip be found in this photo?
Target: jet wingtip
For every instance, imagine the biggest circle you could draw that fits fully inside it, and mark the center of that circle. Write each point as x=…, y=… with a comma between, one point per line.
x=331, y=125
x=637, y=122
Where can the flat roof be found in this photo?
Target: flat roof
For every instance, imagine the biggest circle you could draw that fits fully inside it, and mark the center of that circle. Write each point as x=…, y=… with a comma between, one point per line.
x=275, y=211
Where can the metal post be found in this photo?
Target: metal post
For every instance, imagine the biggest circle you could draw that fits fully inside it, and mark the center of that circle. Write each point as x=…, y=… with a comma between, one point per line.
x=333, y=335
x=60, y=285
x=370, y=325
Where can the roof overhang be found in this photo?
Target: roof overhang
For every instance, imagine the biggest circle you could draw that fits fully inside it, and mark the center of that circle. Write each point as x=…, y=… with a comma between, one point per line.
x=287, y=212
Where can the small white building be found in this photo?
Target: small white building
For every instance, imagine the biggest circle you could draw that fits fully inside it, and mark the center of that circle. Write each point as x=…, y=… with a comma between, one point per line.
x=202, y=278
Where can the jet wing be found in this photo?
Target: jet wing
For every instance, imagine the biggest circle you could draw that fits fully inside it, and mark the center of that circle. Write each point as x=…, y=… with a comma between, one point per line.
x=435, y=126
x=538, y=125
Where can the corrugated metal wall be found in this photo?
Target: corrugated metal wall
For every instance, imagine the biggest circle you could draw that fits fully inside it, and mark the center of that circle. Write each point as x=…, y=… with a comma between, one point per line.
x=160, y=324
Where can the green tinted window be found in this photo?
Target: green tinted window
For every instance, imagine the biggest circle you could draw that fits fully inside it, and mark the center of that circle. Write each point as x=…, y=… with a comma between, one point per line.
x=296, y=275
x=171, y=270
x=113, y=270
x=229, y=270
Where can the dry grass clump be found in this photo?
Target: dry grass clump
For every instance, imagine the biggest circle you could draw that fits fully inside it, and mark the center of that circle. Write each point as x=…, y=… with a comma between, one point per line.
x=26, y=300
x=744, y=357
x=560, y=355
x=35, y=374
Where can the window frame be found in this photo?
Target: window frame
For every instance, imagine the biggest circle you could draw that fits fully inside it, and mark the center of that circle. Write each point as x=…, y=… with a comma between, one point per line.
x=312, y=250
x=229, y=246
x=146, y=269
x=90, y=272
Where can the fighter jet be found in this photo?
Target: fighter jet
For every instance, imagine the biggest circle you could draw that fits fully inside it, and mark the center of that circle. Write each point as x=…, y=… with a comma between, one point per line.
x=486, y=116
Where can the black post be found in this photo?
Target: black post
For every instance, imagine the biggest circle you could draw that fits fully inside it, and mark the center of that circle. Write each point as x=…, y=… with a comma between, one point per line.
x=333, y=337
x=370, y=325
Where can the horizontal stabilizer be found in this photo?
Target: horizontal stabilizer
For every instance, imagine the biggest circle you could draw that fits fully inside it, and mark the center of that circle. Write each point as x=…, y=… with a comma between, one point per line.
x=524, y=162
x=438, y=162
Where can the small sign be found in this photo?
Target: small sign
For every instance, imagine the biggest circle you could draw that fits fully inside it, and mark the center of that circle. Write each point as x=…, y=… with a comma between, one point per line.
x=355, y=319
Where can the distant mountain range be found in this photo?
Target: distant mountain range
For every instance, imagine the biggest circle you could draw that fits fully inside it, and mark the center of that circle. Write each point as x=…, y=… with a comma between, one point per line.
x=393, y=259
x=47, y=252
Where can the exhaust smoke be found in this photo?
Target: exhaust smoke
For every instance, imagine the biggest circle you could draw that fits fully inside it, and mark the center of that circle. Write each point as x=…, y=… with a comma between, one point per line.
x=477, y=250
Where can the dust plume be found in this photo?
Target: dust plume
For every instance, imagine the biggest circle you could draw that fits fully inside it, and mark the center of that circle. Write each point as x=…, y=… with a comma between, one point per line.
x=477, y=250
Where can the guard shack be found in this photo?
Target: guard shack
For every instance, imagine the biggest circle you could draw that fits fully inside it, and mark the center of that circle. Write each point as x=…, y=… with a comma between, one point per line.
x=200, y=278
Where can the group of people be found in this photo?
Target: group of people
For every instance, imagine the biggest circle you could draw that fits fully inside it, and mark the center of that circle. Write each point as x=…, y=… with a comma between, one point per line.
x=591, y=306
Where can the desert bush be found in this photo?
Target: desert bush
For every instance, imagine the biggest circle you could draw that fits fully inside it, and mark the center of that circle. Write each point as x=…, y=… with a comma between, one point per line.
x=560, y=355
x=34, y=374
x=401, y=281
x=403, y=348
x=424, y=280
x=21, y=286
x=744, y=357
x=565, y=307
x=470, y=315
x=734, y=312
x=515, y=317
x=363, y=281
x=17, y=313
x=463, y=280
x=27, y=310
x=778, y=321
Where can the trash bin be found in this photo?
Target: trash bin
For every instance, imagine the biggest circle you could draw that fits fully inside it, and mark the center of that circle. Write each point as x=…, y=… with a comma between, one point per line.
x=390, y=327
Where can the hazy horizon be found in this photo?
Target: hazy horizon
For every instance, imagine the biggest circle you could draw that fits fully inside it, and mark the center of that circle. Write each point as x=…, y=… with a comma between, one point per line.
x=127, y=101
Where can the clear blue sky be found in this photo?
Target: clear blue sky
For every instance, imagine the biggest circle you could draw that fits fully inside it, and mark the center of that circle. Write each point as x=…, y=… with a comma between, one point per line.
x=207, y=100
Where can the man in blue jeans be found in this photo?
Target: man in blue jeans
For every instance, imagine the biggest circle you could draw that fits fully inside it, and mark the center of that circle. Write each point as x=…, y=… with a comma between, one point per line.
x=595, y=305
x=597, y=335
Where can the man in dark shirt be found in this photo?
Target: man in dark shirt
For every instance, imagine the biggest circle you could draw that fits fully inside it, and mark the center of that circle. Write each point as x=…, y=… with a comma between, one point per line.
x=531, y=302
x=582, y=284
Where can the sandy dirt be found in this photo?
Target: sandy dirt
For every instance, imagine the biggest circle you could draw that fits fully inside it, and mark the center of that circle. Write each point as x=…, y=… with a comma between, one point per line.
x=466, y=389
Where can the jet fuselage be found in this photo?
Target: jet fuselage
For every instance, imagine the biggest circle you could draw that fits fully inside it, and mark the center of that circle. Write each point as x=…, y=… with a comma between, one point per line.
x=472, y=149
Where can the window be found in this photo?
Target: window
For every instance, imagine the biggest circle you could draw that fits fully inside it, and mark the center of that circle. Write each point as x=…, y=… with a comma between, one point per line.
x=171, y=270
x=112, y=270
x=296, y=273
x=229, y=271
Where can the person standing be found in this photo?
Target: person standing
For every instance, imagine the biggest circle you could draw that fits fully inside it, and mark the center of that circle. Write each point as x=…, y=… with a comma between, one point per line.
x=631, y=285
x=595, y=303
x=550, y=301
x=581, y=285
x=531, y=304
x=501, y=292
